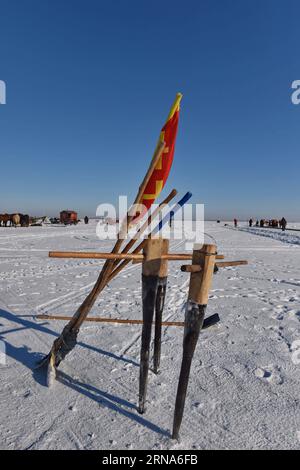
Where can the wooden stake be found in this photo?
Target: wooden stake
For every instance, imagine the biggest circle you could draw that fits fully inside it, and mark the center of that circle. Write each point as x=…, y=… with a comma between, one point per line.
x=200, y=283
x=154, y=269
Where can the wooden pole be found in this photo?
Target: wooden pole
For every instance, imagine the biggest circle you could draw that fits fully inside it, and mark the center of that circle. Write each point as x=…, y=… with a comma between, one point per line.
x=94, y=255
x=122, y=321
x=154, y=270
x=200, y=283
x=226, y=264
x=135, y=257
x=155, y=159
x=212, y=320
x=191, y=268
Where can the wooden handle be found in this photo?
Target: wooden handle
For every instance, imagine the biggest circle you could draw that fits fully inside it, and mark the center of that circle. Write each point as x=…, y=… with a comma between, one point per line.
x=225, y=264
x=200, y=282
x=155, y=262
x=190, y=268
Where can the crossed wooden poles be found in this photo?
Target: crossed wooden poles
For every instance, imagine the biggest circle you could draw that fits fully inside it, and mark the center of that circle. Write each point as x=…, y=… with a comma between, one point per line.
x=154, y=260
x=112, y=266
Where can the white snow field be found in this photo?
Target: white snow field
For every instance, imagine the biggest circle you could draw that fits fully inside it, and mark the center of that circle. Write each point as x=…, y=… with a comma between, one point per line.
x=245, y=380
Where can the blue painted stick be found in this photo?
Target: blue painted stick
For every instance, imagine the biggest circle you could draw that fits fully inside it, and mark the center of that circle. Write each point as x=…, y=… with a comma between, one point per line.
x=172, y=212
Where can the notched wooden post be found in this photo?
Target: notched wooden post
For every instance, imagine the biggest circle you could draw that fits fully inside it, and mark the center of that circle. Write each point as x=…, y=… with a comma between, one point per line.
x=154, y=278
x=200, y=283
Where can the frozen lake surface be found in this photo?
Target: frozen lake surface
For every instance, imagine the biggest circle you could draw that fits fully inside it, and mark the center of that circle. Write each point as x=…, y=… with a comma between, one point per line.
x=245, y=380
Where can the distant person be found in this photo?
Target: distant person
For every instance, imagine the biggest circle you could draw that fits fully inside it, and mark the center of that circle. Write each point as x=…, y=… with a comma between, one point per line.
x=257, y=224
x=86, y=220
x=283, y=224
x=235, y=222
x=250, y=222
x=262, y=222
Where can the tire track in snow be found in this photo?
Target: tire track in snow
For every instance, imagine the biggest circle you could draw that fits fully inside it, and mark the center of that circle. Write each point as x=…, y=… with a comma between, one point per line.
x=283, y=237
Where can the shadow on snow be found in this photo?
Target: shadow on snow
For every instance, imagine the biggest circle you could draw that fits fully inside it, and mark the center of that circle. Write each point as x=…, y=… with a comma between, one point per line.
x=29, y=358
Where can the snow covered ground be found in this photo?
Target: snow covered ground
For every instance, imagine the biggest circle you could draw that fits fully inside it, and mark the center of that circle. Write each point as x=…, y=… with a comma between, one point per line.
x=244, y=386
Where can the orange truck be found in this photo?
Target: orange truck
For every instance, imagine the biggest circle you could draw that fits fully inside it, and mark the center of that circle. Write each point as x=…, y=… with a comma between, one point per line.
x=68, y=217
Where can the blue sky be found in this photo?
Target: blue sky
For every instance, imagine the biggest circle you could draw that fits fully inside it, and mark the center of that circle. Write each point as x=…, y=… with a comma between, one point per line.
x=89, y=85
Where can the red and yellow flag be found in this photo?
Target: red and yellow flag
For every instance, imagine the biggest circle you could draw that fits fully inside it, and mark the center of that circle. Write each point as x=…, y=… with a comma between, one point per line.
x=162, y=169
